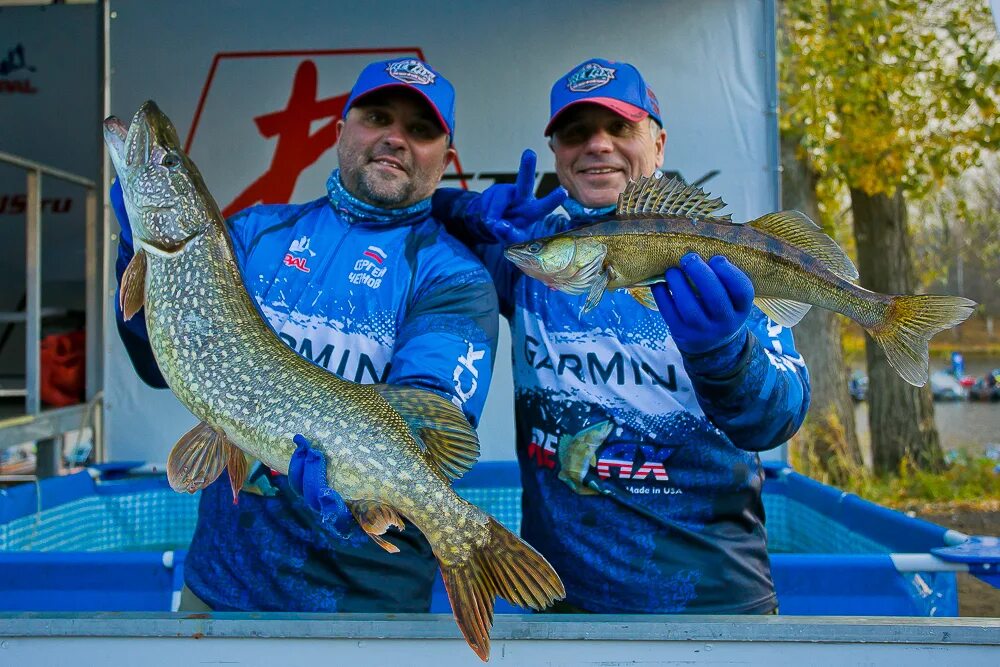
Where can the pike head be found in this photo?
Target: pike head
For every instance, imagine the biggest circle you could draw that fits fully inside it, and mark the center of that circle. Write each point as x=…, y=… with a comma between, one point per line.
x=166, y=199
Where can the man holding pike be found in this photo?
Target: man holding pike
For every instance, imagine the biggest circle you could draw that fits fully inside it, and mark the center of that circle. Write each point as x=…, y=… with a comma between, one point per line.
x=638, y=430
x=366, y=283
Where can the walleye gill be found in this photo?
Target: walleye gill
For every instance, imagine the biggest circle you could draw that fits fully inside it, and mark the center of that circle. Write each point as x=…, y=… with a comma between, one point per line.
x=390, y=450
x=790, y=261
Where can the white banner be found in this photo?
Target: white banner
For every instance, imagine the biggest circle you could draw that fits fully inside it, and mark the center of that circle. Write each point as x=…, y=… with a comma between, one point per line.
x=255, y=88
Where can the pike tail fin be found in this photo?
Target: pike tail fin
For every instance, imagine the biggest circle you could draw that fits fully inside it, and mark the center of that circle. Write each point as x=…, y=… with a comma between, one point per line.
x=909, y=324
x=506, y=566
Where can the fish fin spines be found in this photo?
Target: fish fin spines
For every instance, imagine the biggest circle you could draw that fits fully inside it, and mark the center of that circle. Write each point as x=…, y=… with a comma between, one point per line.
x=909, y=324
x=375, y=519
x=132, y=291
x=796, y=229
x=643, y=295
x=197, y=459
x=452, y=444
x=666, y=197
x=785, y=312
x=504, y=566
x=596, y=293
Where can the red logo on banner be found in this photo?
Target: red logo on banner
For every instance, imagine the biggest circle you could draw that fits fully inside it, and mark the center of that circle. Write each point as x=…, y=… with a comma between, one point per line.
x=296, y=148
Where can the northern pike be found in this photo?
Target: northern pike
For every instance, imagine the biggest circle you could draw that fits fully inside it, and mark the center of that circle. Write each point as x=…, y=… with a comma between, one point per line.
x=390, y=450
x=790, y=261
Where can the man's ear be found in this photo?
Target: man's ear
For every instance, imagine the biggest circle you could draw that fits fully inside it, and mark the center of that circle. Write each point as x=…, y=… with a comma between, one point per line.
x=340, y=127
x=661, y=145
x=449, y=155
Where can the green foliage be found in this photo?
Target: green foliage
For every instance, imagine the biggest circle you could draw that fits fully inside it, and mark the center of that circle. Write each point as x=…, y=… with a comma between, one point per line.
x=967, y=479
x=889, y=93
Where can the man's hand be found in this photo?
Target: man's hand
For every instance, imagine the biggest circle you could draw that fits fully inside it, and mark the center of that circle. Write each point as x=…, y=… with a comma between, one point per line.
x=307, y=478
x=507, y=210
x=704, y=305
x=117, y=199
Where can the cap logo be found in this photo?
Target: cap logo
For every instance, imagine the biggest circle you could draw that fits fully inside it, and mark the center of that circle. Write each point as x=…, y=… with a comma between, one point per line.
x=589, y=77
x=411, y=71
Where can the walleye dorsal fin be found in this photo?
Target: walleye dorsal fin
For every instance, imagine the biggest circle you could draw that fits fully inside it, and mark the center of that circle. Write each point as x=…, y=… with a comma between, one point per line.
x=198, y=459
x=795, y=228
x=132, y=291
x=452, y=445
x=667, y=197
x=785, y=312
x=376, y=518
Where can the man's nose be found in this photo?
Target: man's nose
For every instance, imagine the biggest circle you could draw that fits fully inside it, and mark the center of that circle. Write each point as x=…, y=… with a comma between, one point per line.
x=394, y=136
x=600, y=142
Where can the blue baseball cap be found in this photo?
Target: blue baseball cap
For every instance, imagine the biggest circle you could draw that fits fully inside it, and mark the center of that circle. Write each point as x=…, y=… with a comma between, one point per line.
x=409, y=73
x=616, y=86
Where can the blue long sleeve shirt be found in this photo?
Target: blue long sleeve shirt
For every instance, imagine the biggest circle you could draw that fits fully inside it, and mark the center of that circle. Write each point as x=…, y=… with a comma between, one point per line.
x=373, y=296
x=670, y=518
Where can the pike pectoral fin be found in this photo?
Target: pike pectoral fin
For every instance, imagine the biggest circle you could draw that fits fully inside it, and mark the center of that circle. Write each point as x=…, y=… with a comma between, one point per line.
x=783, y=311
x=375, y=519
x=197, y=459
x=643, y=295
x=452, y=444
x=132, y=292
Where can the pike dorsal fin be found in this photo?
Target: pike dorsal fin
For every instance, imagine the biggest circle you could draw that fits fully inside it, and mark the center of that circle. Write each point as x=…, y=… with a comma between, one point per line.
x=795, y=228
x=667, y=197
x=452, y=444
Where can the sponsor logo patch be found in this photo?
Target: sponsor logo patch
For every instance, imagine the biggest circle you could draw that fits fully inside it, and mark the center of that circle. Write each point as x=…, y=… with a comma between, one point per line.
x=589, y=77
x=411, y=71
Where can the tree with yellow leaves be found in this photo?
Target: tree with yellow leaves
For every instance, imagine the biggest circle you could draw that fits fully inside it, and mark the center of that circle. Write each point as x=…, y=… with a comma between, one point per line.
x=887, y=99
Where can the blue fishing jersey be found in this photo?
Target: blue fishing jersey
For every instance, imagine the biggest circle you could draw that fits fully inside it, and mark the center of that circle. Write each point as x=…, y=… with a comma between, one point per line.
x=664, y=514
x=374, y=296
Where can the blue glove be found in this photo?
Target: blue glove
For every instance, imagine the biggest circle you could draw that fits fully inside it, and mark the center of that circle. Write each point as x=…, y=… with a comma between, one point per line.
x=118, y=206
x=705, y=305
x=307, y=479
x=508, y=210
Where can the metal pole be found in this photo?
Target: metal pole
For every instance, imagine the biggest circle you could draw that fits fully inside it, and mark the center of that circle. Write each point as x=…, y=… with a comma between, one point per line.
x=48, y=457
x=33, y=289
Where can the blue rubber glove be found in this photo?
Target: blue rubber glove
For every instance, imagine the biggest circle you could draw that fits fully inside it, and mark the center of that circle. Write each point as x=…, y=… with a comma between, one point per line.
x=705, y=305
x=508, y=210
x=117, y=199
x=307, y=478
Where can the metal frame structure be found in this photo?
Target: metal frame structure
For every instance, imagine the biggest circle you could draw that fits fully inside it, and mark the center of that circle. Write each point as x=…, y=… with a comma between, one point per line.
x=523, y=640
x=45, y=426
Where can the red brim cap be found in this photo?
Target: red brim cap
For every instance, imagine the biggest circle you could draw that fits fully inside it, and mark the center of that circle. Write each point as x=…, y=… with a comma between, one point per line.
x=623, y=109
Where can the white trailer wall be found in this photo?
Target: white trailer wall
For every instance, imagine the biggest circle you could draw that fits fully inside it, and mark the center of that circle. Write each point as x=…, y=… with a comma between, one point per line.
x=711, y=63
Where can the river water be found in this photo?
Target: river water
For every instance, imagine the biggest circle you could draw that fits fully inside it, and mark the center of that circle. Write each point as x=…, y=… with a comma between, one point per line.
x=963, y=425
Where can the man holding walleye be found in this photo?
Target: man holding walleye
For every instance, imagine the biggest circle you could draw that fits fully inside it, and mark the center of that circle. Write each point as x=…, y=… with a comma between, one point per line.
x=366, y=283
x=637, y=431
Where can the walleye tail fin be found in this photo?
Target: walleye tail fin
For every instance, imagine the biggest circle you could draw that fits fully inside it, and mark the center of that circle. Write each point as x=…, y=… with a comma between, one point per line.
x=506, y=566
x=132, y=291
x=909, y=324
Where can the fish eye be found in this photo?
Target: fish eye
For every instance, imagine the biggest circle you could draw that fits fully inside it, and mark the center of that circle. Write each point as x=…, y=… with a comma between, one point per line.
x=170, y=160
x=535, y=247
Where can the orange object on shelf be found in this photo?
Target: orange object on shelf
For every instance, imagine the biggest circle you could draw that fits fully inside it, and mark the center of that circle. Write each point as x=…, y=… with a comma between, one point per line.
x=63, y=371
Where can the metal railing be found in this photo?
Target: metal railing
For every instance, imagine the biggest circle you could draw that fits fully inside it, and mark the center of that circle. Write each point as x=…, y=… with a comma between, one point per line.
x=46, y=426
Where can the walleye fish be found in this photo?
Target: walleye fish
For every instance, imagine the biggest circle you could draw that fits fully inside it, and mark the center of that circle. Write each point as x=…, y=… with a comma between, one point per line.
x=390, y=450
x=790, y=261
